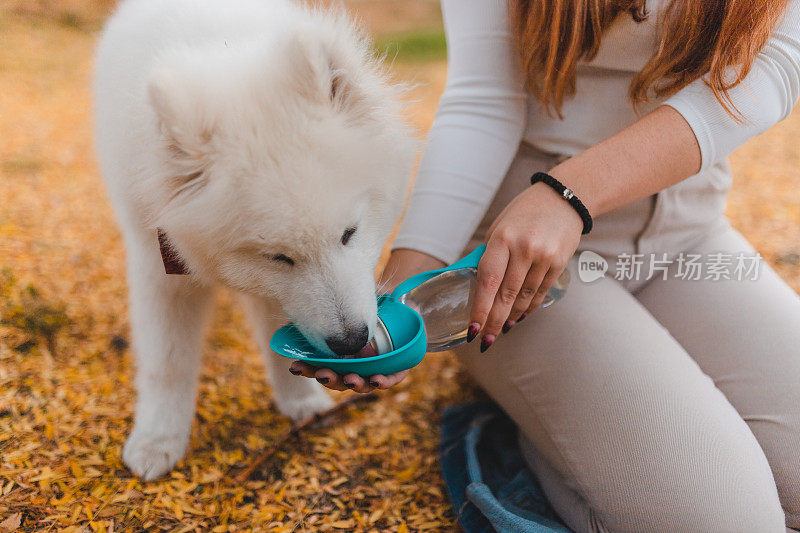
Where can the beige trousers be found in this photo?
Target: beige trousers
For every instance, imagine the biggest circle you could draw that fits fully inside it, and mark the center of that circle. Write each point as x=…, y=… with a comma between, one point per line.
x=661, y=404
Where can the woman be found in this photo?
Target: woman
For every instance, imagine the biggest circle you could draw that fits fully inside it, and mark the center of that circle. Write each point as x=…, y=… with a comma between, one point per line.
x=647, y=400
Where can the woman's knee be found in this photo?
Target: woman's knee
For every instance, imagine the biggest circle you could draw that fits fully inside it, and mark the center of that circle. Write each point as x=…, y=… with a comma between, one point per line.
x=786, y=469
x=737, y=519
x=738, y=502
x=684, y=468
x=731, y=499
x=792, y=510
x=739, y=515
x=771, y=408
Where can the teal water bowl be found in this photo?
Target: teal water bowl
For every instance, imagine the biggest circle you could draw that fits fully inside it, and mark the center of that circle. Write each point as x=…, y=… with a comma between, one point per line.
x=404, y=326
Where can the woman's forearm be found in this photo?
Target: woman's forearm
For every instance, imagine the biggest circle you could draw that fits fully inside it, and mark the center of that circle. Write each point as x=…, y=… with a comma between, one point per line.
x=657, y=151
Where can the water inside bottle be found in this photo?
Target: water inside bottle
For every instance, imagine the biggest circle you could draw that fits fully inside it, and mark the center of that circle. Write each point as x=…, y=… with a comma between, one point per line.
x=444, y=302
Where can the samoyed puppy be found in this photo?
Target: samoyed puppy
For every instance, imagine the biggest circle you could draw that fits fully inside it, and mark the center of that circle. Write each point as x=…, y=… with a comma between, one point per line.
x=263, y=142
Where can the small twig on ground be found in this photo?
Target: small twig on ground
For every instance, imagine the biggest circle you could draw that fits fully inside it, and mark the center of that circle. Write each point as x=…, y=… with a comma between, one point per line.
x=295, y=430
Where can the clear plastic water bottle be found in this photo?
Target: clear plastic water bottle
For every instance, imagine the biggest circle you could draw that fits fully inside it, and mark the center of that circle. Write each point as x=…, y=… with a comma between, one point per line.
x=444, y=303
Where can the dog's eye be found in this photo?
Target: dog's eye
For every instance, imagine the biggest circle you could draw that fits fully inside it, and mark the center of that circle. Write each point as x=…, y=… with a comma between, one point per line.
x=283, y=259
x=347, y=234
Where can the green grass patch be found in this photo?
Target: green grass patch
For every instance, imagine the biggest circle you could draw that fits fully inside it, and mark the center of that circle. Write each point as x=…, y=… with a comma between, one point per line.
x=419, y=45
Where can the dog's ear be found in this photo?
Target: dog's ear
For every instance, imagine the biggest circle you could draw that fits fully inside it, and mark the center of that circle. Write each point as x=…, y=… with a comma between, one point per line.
x=182, y=119
x=186, y=130
x=325, y=74
x=345, y=94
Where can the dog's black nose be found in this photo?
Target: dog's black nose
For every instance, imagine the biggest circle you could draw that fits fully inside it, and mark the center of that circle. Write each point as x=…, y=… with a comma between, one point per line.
x=351, y=341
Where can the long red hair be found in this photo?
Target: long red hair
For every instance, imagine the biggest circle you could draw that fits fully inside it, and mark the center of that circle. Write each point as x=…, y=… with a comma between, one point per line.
x=696, y=38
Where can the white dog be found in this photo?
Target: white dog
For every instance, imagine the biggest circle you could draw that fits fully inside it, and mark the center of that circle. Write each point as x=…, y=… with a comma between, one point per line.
x=263, y=140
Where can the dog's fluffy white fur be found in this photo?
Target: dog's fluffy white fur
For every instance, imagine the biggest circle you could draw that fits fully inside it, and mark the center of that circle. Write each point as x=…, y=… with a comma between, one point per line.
x=255, y=133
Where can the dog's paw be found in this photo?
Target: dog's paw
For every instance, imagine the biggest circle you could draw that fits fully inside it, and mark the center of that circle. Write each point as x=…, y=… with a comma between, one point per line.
x=300, y=408
x=150, y=456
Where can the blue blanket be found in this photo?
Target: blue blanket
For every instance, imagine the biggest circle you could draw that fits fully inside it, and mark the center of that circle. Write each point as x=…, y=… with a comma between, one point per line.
x=490, y=486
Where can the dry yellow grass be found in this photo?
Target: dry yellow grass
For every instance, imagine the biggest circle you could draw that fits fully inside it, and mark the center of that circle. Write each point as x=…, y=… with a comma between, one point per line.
x=65, y=369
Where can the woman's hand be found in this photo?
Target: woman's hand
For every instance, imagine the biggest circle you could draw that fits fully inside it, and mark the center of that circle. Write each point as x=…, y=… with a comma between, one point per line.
x=353, y=382
x=528, y=246
x=402, y=265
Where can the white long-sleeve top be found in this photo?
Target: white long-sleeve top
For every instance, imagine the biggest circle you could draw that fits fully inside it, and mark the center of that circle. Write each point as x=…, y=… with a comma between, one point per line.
x=484, y=114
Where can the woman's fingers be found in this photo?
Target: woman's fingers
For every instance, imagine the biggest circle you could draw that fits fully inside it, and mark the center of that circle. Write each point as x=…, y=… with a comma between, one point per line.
x=330, y=379
x=552, y=275
x=356, y=383
x=379, y=381
x=298, y=368
x=491, y=270
x=515, y=275
x=351, y=381
x=326, y=376
x=529, y=290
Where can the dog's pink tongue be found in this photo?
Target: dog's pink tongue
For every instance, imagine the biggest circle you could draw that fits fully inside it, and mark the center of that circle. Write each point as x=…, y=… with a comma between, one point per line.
x=366, y=351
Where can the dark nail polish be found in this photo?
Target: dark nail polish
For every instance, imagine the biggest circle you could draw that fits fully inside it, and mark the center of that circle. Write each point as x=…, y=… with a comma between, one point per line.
x=523, y=315
x=295, y=372
x=375, y=384
x=486, y=341
x=473, y=331
x=323, y=380
x=350, y=385
x=508, y=325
